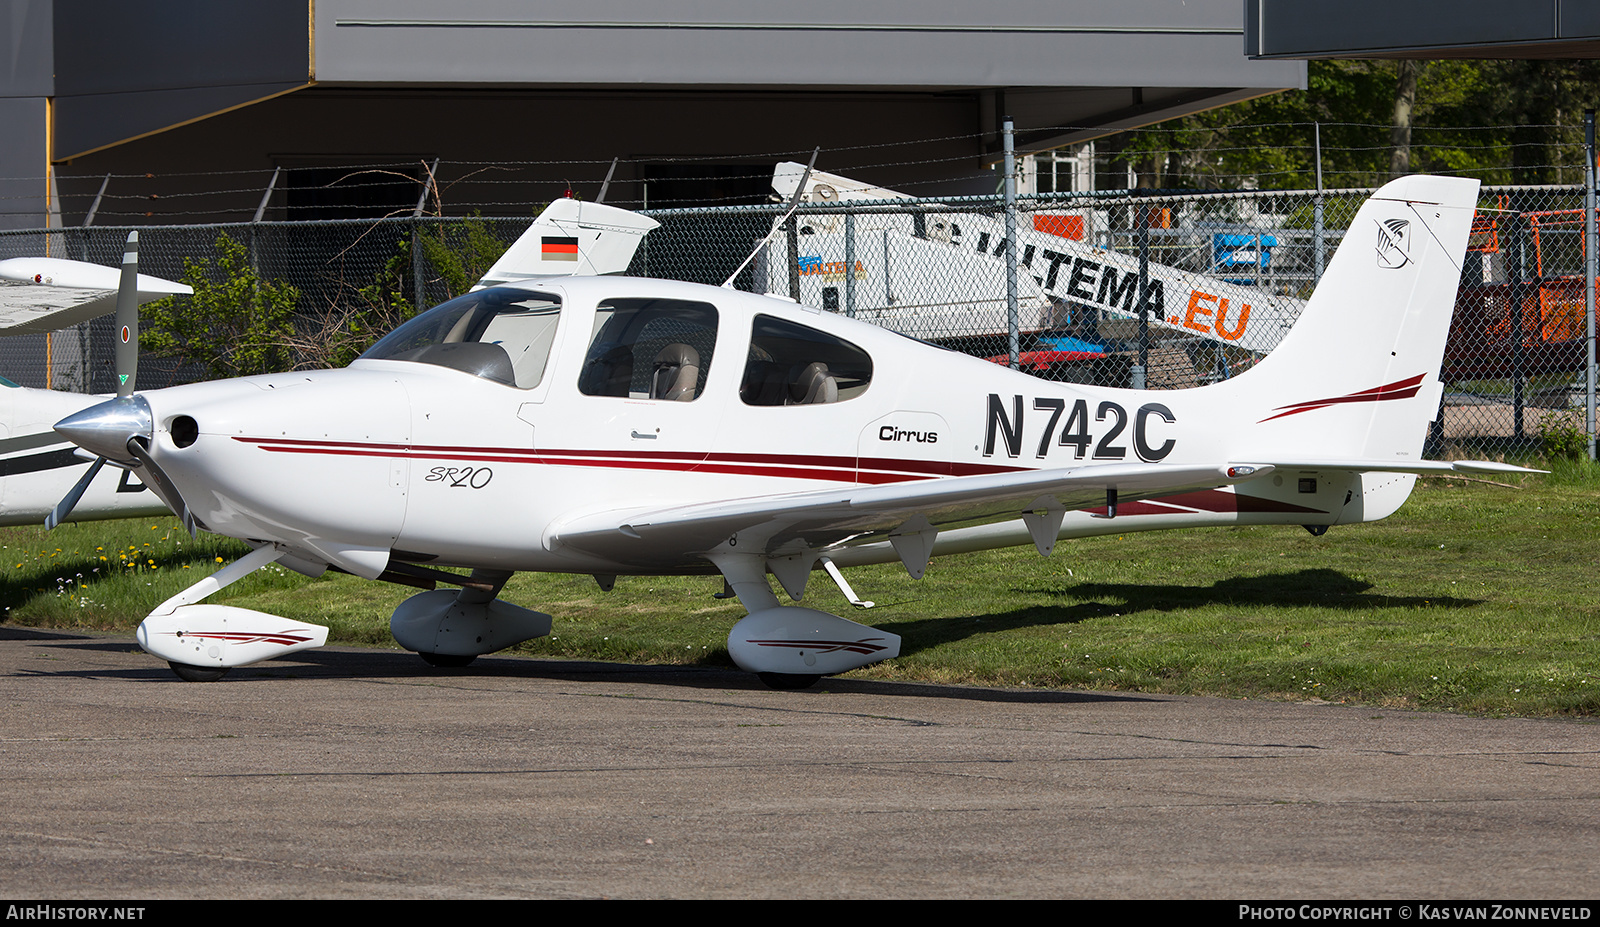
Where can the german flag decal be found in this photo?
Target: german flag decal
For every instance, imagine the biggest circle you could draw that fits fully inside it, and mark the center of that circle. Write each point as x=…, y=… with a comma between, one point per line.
x=558, y=249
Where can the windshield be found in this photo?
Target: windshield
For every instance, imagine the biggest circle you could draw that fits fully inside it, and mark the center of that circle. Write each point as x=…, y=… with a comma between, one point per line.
x=500, y=334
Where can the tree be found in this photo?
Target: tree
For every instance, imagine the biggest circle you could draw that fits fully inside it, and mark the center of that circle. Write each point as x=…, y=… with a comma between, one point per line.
x=235, y=324
x=460, y=253
x=354, y=323
x=456, y=256
x=1499, y=121
x=1405, y=98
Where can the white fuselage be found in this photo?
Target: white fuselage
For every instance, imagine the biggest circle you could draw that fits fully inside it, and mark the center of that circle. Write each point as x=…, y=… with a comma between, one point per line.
x=451, y=469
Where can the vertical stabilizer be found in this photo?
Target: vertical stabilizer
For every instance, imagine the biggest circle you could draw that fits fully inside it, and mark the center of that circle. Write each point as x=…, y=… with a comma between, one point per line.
x=572, y=238
x=1358, y=375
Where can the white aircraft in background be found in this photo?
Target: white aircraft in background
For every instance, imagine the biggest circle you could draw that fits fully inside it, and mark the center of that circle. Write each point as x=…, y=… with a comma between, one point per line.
x=911, y=269
x=38, y=467
x=619, y=426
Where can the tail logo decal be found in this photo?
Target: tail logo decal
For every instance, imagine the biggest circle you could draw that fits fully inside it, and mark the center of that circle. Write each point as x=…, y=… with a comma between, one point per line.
x=1399, y=389
x=1394, y=243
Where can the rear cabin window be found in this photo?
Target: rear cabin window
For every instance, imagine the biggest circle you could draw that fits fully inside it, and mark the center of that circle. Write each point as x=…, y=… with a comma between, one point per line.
x=650, y=349
x=794, y=365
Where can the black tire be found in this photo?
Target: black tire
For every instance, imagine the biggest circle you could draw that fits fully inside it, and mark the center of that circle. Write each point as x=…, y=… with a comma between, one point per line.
x=788, y=681
x=188, y=672
x=447, y=660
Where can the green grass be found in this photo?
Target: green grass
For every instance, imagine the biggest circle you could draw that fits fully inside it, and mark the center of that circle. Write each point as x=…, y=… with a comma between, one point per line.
x=1473, y=597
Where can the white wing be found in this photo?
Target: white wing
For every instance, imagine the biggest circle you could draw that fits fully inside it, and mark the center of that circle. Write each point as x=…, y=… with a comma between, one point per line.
x=48, y=294
x=811, y=522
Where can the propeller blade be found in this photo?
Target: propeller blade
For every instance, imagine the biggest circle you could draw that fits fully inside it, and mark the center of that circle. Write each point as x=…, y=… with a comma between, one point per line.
x=160, y=483
x=128, y=318
x=64, y=507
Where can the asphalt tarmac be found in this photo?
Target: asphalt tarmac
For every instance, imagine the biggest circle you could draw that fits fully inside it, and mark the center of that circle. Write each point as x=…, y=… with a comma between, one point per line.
x=349, y=773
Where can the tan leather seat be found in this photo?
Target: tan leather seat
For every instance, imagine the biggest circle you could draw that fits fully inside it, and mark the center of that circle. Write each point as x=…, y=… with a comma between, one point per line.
x=677, y=371
x=812, y=384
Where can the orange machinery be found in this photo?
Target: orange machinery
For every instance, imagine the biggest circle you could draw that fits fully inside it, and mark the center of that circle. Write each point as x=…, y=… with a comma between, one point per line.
x=1545, y=335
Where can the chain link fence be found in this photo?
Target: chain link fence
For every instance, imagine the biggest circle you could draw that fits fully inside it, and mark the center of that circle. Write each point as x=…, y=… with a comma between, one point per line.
x=1226, y=274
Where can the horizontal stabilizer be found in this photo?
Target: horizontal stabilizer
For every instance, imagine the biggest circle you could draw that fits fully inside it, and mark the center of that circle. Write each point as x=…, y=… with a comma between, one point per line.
x=1422, y=467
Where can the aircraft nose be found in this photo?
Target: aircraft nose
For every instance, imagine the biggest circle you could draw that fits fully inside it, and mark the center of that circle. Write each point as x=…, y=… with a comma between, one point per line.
x=105, y=429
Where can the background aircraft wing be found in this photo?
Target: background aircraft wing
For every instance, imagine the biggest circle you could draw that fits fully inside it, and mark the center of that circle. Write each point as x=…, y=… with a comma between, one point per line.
x=49, y=294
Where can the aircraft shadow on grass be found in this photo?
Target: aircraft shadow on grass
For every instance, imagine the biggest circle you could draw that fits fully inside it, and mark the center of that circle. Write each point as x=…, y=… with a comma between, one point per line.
x=1314, y=588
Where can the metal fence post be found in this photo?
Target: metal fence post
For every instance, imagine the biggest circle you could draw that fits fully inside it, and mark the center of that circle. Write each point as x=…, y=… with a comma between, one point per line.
x=1519, y=288
x=261, y=210
x=1589, y=274
x=95, y=206
x=792, y=228
x=1316, y=211
x=418, y=295
x=1013, y=321
x=1141, y=373
x=850, y=264
x=420, y=302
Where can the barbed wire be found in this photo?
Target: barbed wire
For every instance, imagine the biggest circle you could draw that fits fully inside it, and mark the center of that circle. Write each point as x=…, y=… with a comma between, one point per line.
x=929, y=164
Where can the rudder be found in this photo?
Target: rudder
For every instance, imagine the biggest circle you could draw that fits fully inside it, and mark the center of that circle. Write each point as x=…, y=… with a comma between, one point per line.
x=1358, y=375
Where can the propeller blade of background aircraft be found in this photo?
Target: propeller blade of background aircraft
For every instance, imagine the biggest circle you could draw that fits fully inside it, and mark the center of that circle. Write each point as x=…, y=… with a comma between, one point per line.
x=64, y=507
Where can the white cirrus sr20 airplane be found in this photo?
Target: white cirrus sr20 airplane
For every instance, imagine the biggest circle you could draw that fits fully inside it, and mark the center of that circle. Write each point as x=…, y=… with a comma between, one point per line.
x=620, y=426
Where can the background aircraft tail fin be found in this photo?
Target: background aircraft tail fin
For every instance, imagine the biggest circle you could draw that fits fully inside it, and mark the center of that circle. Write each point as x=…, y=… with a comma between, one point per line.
x=571, y=238
x=1358, y=375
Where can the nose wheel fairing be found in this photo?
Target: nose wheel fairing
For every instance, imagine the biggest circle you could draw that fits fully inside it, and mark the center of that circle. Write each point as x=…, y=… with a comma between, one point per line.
x=222, y=636
x=199, y=640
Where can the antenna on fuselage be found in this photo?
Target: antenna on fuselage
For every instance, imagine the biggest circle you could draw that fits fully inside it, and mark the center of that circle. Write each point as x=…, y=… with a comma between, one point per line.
x=794, y=203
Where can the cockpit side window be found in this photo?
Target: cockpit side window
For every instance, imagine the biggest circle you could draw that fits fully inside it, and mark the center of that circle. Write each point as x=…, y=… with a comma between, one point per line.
x=650, y=349
x=500, y=334
x=794, y=365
